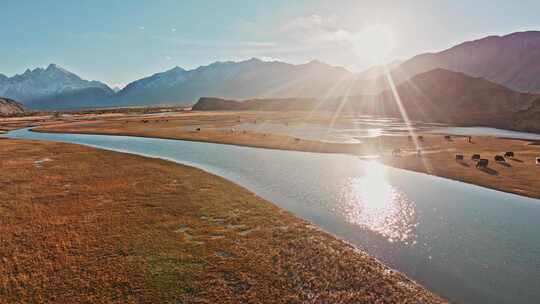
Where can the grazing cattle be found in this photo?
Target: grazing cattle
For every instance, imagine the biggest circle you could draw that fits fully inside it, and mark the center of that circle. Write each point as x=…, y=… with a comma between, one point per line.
x=409, y=137
x=509, y=154
x=475, y=157
x=538, y=160
x=499, y=158
x=447, y=137
x=459, y=157
x=198, y=129
x=482, y=163
x=421, y=138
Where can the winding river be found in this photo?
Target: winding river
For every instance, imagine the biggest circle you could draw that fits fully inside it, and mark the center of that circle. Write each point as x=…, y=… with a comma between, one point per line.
x=467, y=243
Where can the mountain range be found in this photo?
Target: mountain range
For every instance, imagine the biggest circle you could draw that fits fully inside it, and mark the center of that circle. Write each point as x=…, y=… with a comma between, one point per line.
x=435, y=96
x=244, y=79
x=512, y=61
x=52, y=87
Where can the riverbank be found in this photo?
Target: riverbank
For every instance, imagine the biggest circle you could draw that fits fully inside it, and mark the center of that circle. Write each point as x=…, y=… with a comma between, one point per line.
x=173, y=233
x=518, y=175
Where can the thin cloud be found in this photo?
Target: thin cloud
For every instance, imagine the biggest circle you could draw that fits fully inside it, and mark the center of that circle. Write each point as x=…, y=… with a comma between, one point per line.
x=315, y=29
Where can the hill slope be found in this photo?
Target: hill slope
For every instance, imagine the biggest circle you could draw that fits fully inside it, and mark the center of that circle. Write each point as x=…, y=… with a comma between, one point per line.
x=512, y=60
x=447, y=96
x=10, y=107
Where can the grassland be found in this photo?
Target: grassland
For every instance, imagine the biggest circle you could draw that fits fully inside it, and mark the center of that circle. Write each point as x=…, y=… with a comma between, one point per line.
x=518, y=175
x=81, y=225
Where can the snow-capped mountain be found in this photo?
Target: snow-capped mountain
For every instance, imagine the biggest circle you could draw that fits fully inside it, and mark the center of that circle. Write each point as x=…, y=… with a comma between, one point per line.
x=53, y=86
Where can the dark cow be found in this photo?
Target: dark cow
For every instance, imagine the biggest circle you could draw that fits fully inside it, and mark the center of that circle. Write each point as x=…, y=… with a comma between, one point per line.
x=482, y=163
x=421, y=138
x=538, y=160
x=475, y=157
x=509, y=154
x=459, y=157
x=499, y=158
x=448, y=137
x=198, y=129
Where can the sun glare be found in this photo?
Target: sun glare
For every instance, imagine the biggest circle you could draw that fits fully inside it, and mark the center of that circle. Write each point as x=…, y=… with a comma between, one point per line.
x=372, y=202
x=375, y=42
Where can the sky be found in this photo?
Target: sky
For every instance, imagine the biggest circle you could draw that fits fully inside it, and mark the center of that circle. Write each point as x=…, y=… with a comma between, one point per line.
x=117, y=41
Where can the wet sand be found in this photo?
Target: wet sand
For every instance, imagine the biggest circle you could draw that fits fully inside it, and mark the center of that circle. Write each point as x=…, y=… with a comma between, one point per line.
x=86, y=225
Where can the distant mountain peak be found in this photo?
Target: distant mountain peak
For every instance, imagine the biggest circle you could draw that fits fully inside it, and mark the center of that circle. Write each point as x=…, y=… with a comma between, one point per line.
x=255, y=60
x=51, y=84
x=176, y=69
x=55, y=68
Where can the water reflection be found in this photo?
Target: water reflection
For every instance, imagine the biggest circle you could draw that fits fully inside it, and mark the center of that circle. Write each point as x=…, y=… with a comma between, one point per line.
x=372, y=202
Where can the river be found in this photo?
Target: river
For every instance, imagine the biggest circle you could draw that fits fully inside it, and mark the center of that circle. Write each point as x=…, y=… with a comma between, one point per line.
x=467, y=243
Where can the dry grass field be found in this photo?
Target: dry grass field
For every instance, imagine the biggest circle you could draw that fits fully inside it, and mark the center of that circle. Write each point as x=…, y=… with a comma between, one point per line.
x=81, y=225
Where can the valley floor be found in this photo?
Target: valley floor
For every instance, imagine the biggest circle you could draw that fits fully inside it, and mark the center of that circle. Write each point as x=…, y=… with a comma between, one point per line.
x=81, y=225
x=519, y=175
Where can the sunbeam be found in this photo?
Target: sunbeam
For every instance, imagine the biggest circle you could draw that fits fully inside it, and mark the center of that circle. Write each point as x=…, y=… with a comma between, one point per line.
x=405, y=116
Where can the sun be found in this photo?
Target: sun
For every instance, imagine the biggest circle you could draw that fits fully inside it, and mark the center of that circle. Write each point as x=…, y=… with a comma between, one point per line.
x=375, y=43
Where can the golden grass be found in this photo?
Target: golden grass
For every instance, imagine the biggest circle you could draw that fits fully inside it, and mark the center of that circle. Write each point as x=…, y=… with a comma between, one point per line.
x=80, y=225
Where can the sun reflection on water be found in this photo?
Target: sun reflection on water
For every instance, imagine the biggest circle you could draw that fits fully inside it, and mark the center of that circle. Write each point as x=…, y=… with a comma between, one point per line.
x=372, y=202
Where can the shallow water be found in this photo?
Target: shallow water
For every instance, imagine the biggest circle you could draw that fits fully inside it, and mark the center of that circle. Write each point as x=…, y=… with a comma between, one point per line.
x=486, y=131
x=366, y=127
x=466, y=243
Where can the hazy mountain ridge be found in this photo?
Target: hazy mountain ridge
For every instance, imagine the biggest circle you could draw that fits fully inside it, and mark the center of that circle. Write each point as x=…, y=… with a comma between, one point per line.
x=446, y=96
x=277, y=104
x=438, y=96
x=512, y=60
x=251, y=78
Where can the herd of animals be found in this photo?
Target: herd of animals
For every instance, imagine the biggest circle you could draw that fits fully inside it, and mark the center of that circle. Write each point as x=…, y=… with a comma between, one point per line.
x=481, y=163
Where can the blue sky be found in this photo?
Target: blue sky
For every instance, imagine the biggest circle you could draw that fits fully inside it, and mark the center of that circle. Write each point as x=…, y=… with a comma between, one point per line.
x=119, y=41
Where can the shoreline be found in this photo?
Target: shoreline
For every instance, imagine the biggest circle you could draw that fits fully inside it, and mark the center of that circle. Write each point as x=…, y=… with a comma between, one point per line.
x=432, y=164
x=201, y=231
